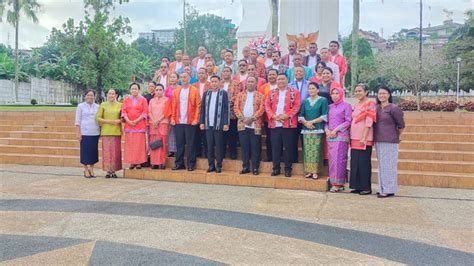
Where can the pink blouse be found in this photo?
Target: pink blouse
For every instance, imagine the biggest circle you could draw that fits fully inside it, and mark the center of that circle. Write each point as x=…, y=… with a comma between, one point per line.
x=159, y=108
x=357, y=128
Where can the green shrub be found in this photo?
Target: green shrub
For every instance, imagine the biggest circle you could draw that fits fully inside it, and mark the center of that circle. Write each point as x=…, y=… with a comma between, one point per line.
x=73, y=102
x=33, y=102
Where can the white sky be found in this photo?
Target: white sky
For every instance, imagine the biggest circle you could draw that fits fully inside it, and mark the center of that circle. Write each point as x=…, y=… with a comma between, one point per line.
x=391, y=15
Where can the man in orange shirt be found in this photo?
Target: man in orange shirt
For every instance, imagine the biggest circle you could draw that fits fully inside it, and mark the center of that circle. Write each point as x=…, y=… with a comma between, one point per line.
x=338, y=59
x=200, y=60
x=186, y=106
x=174, y=66
x=265, y=90
x=202, y=85
x=260, y=67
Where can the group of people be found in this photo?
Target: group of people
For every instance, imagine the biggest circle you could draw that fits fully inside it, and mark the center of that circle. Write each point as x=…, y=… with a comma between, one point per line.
x=206, y=109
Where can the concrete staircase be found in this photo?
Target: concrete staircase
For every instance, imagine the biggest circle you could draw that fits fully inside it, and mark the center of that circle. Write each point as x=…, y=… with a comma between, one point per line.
x=437, y=151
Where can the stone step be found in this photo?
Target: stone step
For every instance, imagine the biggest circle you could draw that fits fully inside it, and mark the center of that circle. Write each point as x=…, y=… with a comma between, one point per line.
x=423, y=129
x=435, y=155
x=438, y=146
x=433, y=165
x=38, y=128
x=37, y=122
x=38, y=135
x=451, y=137
x=432, y=179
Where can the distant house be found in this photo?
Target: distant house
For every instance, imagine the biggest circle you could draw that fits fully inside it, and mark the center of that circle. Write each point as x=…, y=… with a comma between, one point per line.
x=437, y=36
x=376, y=42
x=164, y=36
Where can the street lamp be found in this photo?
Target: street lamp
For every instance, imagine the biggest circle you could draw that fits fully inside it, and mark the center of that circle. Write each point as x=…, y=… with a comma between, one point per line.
x=458, y=61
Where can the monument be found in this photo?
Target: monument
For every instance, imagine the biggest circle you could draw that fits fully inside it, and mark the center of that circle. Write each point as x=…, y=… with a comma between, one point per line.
x=302, y=21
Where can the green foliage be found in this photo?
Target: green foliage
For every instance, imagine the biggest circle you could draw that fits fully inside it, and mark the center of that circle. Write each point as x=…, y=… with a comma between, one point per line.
x=366, y=63
x=33, y=102
x=73, y=102
x=210, y=31
x=7, y=68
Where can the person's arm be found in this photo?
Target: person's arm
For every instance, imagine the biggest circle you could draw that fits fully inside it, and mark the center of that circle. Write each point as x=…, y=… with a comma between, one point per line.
x=77, y=122
x=398, y=117
x=369, y=122
x=225, y=111
x=237, y=110
x=99, y=116
x=202, y=117
x=261, y=102
x=324, y=112
x=197, y=102
x=296, y=106
x=268, y=107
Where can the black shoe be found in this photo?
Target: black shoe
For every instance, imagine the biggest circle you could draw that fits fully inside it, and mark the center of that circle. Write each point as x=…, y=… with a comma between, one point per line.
x=211, y=169
x=288, y=173
x=108, y=175
x=171, y=154
x=255, y=171
x=190, y=168
x=145, y=164
x=218, y=170
x=275, y=172
x=162, y=166
x=114, y=175
x=178, y=167
x=366, y=192
x=131, y=167
x=154, y=167
x=381, y=195
x=244, y=171
x=355, y=191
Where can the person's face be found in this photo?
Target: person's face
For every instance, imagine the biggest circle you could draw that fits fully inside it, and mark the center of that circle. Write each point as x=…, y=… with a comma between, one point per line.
x=324, y=54
x=188, y=70
x=253, y=55
x=319, y=68
x=134, y=90
x=226, y=73
x=223, y=54
x=186, y=60
x=282, y=82
x=275, y=58
x=178, y=55
x=272, y=77
x=173, y=79
x=270, y=50
x=299, y=73
x=165, y=60
x=208, y=57
x=313, y=49
x=291, y=47
x=360, y=93
x=335, y=95
x=246, y=52
x=164, y=68
x=228, y=57
x=251, y=84
x=252, y=71
x=159, y=91
x=383, y=95
x=312, y=90
x=215, y=83
x=202, y=75
x=209, y=67
x=202, y=52
x=333, y=47
x=90, y=97
x=242, y=67
x=185, y=78
x=111, y=95
x=297, y=61
x=151, y=88
x=327, y=76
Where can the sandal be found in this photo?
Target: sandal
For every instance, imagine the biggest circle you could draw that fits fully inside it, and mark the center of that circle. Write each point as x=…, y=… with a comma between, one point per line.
x=114, y=175
x=132, y=166
x=85, y=175
x=91, y=173
x=315, y=177
x=108, y=175
x=336, y=189
x=309, y=176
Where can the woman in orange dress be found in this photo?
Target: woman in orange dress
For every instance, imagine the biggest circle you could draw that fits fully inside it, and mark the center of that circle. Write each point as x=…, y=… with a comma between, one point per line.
x=159, y=112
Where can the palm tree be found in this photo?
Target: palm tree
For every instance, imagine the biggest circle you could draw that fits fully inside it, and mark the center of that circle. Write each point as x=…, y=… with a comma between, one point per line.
x=12, y=9
x=274, y=4
x=355, y=48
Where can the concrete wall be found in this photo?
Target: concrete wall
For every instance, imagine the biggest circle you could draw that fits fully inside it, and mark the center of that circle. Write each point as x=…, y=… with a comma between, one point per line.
x=43, y=90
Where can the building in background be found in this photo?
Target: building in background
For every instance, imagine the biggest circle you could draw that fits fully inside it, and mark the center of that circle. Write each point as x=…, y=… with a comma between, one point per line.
x=163, y=36
x=436, y=36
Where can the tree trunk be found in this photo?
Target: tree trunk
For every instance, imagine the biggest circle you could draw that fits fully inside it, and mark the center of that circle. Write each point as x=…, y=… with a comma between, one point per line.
x=420, y=60
x=275, y=19
x=99, y=84
x=355, y=46
x=17, y=60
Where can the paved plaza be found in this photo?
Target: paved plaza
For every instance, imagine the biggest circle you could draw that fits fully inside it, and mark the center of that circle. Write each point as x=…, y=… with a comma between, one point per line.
x=52, y=215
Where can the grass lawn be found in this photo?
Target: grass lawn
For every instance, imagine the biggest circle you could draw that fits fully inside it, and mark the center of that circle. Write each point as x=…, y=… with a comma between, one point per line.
x=43, y=108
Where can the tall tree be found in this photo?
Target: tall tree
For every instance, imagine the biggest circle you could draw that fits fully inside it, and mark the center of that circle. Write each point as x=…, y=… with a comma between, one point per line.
x=13, y=9
x=275, y=22
x=366, y=61
x=355, y=34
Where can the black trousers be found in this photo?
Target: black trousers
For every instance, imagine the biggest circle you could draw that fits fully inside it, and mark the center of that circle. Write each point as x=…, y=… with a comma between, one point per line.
x=185, y=135
x=268, y=142
x=230, y=139
x=361, y=169
x=200, y=142
x=215, y=147
x=250, y=145
x=283, y=141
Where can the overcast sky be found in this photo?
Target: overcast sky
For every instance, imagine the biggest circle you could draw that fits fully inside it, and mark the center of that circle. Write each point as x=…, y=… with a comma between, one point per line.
x=391, y=15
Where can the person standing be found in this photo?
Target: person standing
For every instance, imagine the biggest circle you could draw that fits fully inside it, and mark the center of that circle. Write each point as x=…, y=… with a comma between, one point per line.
x=282, y=106
x=214, y=119
x=200, y=60
x=338, y=59
x=230, y=136
x=88, y=133
x=265, y=89
x=228, y=62
x=202, y=85
x=159, y=113
x=334, y=67
x=362, y=140
x=249, y=109
x=161, y=76
x=387, y=131
x=277, y=65
x=313, y=115
x=288, y=58
x=174, y=66
x=135, y=113
x=267, y=59
x=186, y=105
x=318, y=74
x=260, y=67
x=298, y=62
x=313, y=57
x=108, y=118
x=174, y=78
x=337, y=136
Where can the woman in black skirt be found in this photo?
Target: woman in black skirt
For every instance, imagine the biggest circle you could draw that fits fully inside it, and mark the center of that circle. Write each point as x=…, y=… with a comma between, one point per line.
x=88, y=132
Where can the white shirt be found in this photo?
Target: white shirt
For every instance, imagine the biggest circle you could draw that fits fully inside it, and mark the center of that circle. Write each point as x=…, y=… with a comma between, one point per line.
x=163, y=81
x=275, y=67
x=201, y=88
x=243, y=77
x=280, y=107
x=183, y=106
x=272, y=87
x=248, y=107
x=212, y=108
x=226, y=86
x=335, y=70
x=178, y=65
x=268, y=62
x=290, y=61
x=312, y=60
x=200, y=63
x=85, y=119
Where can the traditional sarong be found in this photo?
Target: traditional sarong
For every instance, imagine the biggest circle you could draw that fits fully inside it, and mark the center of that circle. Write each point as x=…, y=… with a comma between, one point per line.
x=89, y=150
x=325, y=148
x=111, y=153
x=135, y=148
x=387, y=158
x=312, y=152
x=158, y=156
x=338, y=162
x=172, y=140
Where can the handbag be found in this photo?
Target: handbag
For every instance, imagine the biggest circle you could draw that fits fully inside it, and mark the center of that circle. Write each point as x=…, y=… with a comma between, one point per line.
x=156, y=144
